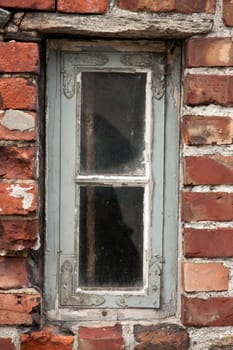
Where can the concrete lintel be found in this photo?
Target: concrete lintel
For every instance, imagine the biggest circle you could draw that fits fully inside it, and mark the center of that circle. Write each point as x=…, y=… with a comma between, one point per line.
x=4, y=17
x=126, y=25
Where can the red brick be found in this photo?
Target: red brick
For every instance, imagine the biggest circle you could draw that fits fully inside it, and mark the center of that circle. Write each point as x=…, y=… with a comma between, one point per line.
x=18, y=198
x=207, y=89
x=17, y=125
x=228, y=12
x=162, y=337
x=6, y=344
x=18, y=234
x=144, y=5
x=18, y=93
x=210, y=52
x=182, y=6
x=83, y=6
x=211, y=170
x=46, y=339
x=205, y=206
x=29, y=4
x=104, y=338
x=208, y=243
x=16, y=307
x=209, y=312
x=17, y=162
x=19, y=57
x=198, y=130
x=204, y=277
x=13, y=273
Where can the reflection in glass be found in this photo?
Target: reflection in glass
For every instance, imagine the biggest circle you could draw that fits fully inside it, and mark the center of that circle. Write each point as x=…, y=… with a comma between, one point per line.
x=111, y=241
x=112, y=123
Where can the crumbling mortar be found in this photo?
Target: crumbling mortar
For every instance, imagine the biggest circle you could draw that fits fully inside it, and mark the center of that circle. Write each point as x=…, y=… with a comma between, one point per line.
x=11, y=14
x=210, y=110
x=209, y=71
x=19, y=144
x=208, y=150
x=208, y=188
x=203, y=338
x=30, y=76
x=18, y=181
x=18, y=18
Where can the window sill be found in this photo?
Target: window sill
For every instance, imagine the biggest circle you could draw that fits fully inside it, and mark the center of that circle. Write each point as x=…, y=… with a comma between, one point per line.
x=108, y=314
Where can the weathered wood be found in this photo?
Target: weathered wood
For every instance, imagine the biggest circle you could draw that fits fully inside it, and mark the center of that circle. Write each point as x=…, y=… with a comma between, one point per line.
x=4, y=17
x=118, y=24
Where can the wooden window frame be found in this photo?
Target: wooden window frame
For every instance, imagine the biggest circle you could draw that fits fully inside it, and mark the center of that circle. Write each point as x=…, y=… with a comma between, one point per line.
x=161, y=205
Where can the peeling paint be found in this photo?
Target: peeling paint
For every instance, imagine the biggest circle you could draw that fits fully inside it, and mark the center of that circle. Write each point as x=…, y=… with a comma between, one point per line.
x=176, y=96
x=22, y=192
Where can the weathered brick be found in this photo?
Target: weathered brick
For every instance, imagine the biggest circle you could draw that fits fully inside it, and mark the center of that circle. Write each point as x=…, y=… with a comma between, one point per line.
x=18, y=93
x=16, y=307
x=84, y=6
x=19, y=57
x=46, y=339
x=18, y=234
x=161, y=337
x=198, y=130
x=228, y=12
x=18, y=198
x=13, y=273
x=205, y=206
x=208, y=243
x=206, y=89
x=215, y=311
x=103, y=338
x=6, y=344
x=186, y=6
x=211, y=170
x=17, y=125
x=209, y=52
x=17, y=162
x=204, y=277
x=29, y=4
x=182, y=6
x=143, y=5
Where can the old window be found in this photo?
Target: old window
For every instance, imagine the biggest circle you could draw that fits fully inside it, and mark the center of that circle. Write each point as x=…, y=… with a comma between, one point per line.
x=111, y=177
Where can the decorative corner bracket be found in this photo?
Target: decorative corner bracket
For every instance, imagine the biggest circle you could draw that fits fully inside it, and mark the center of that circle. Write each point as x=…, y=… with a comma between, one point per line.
x=71, y=61
x=68, y=296
x=158, y=70
x=152, y=299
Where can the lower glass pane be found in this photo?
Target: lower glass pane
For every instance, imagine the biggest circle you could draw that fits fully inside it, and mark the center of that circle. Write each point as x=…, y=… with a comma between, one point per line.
x=111, y=237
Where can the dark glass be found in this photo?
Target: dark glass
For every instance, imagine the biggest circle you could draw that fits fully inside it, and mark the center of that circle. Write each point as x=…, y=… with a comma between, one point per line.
x=112, y=123
x=111, y=237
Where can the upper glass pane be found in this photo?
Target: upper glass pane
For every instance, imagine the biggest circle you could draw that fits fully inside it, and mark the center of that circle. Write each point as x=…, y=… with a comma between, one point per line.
x=112, y=123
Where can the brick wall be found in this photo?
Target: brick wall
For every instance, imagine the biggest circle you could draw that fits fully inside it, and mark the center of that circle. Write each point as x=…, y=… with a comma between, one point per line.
x=204, y=319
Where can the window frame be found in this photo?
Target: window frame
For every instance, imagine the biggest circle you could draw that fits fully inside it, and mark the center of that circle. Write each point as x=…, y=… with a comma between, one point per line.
x=59, y=277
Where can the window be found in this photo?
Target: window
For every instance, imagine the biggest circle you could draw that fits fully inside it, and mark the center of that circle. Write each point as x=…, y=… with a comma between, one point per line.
x=112, y=175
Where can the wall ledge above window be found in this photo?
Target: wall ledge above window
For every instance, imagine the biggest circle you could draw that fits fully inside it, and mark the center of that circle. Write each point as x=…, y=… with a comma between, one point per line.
x=120, y=24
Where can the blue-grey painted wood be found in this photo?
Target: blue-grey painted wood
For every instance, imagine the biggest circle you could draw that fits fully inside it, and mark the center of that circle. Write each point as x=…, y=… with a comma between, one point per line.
x=52, y=179
x=68, y=164
x=171, y=179
x=62, y=148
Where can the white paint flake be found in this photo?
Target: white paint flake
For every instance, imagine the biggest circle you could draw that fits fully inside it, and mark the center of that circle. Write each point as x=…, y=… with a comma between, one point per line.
x=22, y=192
